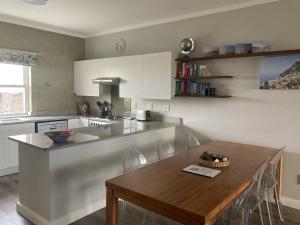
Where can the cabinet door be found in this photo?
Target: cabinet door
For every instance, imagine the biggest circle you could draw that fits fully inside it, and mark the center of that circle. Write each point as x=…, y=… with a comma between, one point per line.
x=73, y=123
x=77, y=123
x=131, y=76
x=109, y=67
x=84, y=122
x=12, y=146
x=3, y=163
x=84, y=72
x=157, y=83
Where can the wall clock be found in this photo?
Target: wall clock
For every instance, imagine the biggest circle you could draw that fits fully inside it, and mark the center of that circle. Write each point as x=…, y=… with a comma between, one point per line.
x=121, y=46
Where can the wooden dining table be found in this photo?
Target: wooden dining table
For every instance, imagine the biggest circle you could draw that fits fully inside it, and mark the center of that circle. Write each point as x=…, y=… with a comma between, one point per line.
x=187, y=198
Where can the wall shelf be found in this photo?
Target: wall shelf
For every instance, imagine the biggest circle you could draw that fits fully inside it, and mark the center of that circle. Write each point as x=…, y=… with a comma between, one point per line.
x=204, y=78
x=217, y=96
x=231, y=56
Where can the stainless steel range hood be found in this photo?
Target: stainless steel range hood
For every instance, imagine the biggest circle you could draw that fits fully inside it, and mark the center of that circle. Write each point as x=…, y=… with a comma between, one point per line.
x=107, y=80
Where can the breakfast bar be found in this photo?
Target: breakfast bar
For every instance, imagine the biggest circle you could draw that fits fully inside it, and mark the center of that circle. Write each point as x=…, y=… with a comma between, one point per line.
x=61, y=183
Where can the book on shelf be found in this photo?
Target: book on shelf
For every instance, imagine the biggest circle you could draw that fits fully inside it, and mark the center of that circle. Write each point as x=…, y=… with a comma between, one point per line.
x=191, y=88
x=186, y=70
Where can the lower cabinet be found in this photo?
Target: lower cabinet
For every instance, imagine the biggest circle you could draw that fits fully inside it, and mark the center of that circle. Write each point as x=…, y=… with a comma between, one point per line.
x=77, y=123
x=8, y=148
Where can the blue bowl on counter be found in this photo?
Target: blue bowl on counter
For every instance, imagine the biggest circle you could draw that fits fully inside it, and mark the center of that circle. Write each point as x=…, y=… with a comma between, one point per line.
x=59, y=136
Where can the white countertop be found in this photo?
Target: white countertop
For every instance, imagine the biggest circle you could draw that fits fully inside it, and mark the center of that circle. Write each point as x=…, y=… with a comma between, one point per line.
x=88, y=134
x=32, y=119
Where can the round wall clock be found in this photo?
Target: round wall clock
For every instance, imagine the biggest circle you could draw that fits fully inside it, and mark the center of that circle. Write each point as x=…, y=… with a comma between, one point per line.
x=121, y=46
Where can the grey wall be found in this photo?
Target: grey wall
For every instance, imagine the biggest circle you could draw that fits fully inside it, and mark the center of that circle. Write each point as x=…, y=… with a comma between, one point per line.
x=56, y=65
x=269, y=118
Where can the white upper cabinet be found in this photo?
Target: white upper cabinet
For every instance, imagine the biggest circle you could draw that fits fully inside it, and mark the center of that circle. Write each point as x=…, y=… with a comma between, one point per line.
x=157, y=76
x=84, y=72
x=141, y=76
x=109, y=67
x=131, y=83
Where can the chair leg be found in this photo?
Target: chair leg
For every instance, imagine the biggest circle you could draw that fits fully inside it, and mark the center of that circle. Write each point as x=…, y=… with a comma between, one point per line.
x=153, y=219
x=246, y=217
x=261, y=215
x=278, y=204
x=268, y=208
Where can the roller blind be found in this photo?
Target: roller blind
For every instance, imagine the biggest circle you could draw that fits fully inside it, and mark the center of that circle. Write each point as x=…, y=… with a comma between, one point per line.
x=19, y=57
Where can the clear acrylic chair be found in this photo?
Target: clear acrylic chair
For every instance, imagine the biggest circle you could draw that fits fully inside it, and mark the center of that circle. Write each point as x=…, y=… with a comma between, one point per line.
x=241, y=212
x=192, y=141
x=270, y=181
x=132, y=159
x=165, y=149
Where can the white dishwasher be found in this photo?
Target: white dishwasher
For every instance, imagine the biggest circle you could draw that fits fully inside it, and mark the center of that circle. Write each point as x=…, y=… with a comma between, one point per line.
x=46, y=126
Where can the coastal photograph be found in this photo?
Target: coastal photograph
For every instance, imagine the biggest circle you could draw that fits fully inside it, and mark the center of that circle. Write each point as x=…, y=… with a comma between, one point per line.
x=280, y=72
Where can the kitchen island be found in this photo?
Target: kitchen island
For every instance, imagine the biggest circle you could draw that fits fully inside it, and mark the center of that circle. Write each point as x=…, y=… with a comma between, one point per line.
x=61, y=183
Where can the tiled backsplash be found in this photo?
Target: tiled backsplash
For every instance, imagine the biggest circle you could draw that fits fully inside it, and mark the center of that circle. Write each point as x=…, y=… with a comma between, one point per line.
x=119, y=105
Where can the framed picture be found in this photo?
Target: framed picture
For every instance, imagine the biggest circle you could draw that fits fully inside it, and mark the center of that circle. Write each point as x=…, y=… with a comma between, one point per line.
x=282, y=72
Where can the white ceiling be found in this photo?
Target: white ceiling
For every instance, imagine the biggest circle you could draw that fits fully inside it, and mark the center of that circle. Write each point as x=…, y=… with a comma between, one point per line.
x=86, y=18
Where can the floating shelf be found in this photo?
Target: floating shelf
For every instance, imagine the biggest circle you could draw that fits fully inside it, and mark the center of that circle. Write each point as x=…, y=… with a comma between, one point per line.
x=204, y=78
x=230, y=56
x=217, y=96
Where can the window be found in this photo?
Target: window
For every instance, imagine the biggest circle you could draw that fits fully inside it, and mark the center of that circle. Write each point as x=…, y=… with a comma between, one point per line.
x=13, y=89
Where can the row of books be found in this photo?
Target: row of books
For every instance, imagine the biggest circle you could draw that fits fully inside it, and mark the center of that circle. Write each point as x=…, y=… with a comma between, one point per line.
x=187, y=70
x=193, y=88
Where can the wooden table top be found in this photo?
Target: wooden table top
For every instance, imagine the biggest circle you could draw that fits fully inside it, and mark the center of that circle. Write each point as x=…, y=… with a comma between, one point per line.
x=164, y=188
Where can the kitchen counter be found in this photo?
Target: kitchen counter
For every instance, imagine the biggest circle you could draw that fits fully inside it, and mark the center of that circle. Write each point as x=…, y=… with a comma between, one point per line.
x=83, y=135
x=32, y=119
x=68, y=179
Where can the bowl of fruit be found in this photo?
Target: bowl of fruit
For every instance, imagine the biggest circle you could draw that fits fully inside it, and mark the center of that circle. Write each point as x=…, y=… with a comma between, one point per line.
x=59, y=136
x=214, y=160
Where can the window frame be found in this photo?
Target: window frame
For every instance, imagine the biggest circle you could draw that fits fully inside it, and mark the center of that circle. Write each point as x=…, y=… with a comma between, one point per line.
x=26, y=72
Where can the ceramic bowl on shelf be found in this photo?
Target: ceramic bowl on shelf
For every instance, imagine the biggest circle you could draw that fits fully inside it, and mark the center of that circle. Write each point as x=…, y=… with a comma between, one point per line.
x=227, y=49
x=59, y=136
x=243, y=48
x=210, y=51
x=261, y=46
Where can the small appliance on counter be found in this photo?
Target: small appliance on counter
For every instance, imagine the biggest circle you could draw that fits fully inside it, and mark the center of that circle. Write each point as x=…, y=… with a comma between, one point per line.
x=143, y=115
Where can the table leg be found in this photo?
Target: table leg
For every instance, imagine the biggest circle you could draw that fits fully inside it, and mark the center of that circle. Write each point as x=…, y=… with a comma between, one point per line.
x=111, y=207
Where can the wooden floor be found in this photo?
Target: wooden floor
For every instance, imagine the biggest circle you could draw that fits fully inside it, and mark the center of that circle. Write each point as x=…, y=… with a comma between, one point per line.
x=9, y=216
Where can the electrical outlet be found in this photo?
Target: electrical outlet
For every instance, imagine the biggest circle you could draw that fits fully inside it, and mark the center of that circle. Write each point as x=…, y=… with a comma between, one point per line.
x=149, y=106
x=166, y=108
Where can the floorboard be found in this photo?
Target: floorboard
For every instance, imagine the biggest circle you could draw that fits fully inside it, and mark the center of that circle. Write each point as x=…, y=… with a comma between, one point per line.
x=9, y=216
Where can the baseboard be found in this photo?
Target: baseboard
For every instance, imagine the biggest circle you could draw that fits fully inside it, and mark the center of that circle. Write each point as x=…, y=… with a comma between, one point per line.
x=70, y=218
x=78, y=214
x=290, y=202
x=8, y=171
x=31, y=215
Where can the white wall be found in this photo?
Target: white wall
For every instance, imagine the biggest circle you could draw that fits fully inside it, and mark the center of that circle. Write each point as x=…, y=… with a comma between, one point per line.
x=269, y=118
